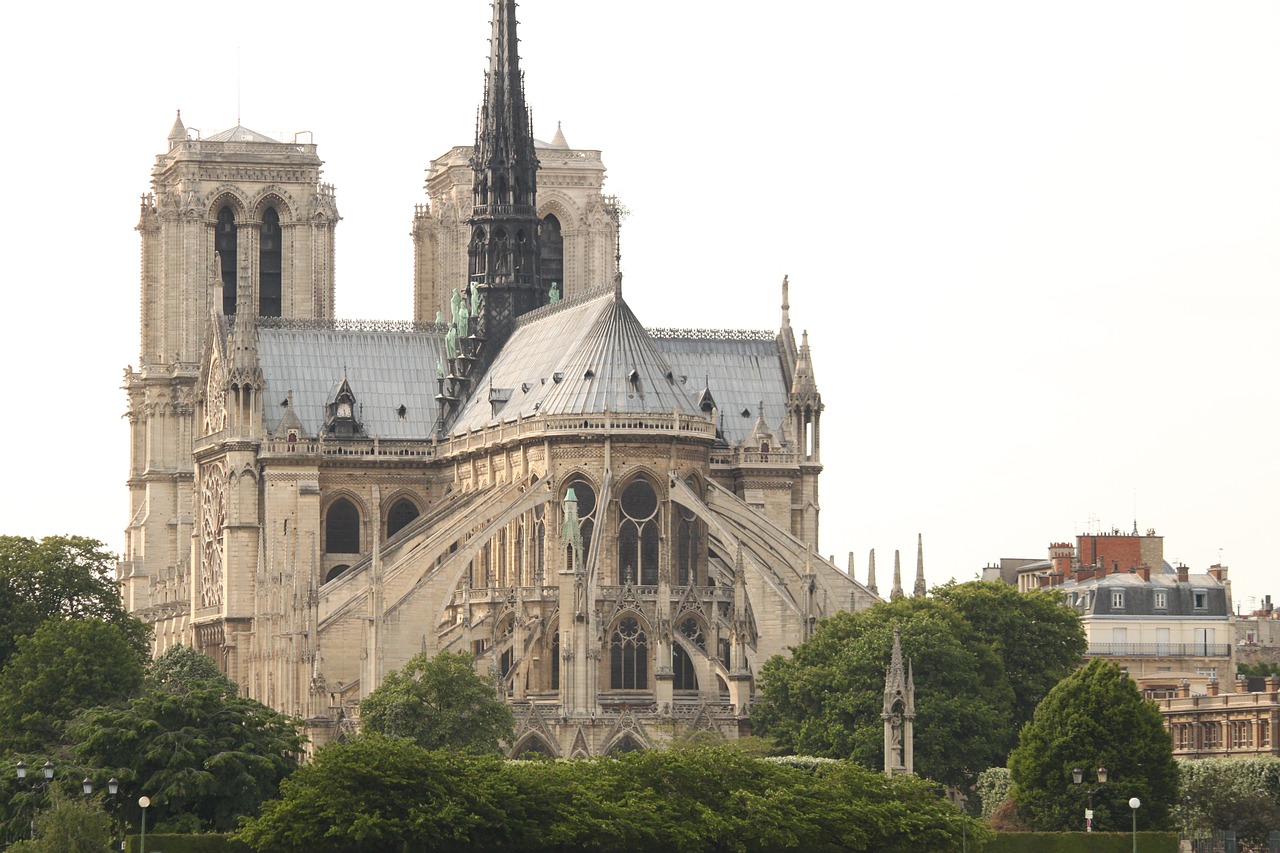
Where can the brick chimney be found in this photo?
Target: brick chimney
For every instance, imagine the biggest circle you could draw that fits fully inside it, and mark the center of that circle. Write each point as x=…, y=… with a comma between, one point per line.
x=1184, y=689
x=1273, y=683
x=1061, y=555
x=1145, y=571
x=1183, y=574
x=1211, y=689
x=1218, y=572
x=1242, y=684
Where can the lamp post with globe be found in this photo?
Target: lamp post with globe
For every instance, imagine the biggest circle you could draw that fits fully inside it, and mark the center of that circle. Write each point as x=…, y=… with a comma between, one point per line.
x=1134, y=803
x=1077, y=776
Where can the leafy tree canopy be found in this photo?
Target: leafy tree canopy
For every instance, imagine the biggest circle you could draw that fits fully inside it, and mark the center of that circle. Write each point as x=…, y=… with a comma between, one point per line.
x=62, y=577
x=191, y=744
x=68, y=825
x=439, y=703
x=1093, y=718
x=1039, y=641
x=62, y=667
x=827, y=698
x=378, y=794
x=1241, y=794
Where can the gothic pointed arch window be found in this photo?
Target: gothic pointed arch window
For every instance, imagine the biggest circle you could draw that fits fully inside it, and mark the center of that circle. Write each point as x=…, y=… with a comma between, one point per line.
x=270, y=265
x=686, y=677
x=224, y=243
x=551, y=249
x=638, y=534
x=402, y=512
x=555, y=659
x=628, y=656
x=586, y=495
x=688, y=548
x=342, y=528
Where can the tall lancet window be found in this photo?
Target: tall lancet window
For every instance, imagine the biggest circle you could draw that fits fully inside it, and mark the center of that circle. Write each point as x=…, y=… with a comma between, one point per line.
x=551, y=246
x=270, y=270
x=224, y=243
x=638, y=535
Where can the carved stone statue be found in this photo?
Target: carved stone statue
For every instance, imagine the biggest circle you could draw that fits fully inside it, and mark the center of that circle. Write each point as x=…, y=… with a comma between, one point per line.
x=555, y=292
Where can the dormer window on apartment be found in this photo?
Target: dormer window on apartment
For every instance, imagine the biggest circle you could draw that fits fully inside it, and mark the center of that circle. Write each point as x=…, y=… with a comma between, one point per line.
x=1200, y=599
x=1117, y=599
x=1161, y=600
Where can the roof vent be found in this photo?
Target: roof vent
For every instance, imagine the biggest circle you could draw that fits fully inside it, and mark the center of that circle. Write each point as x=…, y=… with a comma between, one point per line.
x=634, y=378
x=590, y=374
x=671, y=377
x=401, y=411
x=746, y=413
x=556, y=377
x=524, y=387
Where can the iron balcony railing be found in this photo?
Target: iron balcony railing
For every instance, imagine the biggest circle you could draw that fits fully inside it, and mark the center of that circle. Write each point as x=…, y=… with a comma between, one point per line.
x=1160, y=650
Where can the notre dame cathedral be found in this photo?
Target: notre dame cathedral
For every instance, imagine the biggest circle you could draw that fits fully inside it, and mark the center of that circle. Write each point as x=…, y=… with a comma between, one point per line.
x=619, y=522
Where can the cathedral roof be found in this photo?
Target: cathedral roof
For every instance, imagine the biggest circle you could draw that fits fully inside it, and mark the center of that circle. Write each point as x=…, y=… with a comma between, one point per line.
x=740, y=369
x=386, y=370
x=240, y=133
x=581, y=356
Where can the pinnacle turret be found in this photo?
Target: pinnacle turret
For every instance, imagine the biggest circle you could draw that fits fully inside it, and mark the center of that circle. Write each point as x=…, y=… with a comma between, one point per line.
x=919, y=590
x=178, y=133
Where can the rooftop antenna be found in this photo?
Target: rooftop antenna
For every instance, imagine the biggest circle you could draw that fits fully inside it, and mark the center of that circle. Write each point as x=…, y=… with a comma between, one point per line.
x=237, y=85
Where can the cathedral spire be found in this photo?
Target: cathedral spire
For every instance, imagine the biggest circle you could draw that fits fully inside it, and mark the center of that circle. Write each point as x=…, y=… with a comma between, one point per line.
x=871, y=573
x=178, y=133
x=919, y=590
x=896, y=592
x=503, y=254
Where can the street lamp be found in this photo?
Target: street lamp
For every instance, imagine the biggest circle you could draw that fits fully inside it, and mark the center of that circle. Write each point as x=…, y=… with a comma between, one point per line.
x=1077, y=776
x=1134, y=803
x=143, y=802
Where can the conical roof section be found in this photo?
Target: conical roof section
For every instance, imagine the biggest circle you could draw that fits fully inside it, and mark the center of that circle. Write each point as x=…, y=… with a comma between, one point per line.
x=240, y=133
x=581, y=356
x=177, y=133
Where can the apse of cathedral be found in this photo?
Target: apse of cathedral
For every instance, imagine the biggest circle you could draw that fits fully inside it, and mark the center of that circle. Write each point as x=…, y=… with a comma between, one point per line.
x=620, y=523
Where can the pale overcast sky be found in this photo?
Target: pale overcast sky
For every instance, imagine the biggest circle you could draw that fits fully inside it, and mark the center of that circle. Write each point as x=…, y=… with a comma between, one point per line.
x=1034, y=244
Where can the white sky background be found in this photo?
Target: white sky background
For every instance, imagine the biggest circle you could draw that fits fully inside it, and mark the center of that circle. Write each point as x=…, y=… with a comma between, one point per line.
x=1034, y=244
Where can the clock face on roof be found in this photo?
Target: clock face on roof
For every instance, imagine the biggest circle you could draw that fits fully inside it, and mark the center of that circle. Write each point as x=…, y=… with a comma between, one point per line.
x=344, y=410
x=213, y=518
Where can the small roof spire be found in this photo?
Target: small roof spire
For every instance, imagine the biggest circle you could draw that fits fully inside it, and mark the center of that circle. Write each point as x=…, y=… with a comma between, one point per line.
x=179, y=131
x=803, y=383
x=558, y=140
x=919, y=590
x=786, y=302
x=871, y=573
x=896, y=592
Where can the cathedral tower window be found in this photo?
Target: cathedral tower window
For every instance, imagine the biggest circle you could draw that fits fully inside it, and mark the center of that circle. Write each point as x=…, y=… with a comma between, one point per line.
x=686, y=678
x=402, y=512
x=638, y=535
x=224, y=243
x=342, y=528
x=551, y=246
x=628, y=656
x=687, y=547
x=555, y=659
x=270, y=270
x=586, y=496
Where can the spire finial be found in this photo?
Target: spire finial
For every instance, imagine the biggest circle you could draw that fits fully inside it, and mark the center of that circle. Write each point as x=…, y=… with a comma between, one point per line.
x=871, y=573
x=786, y=302
x=896, y=592
x=919, y=590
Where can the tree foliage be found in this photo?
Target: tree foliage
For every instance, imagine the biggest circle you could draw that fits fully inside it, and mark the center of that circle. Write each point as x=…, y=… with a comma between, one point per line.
x=1240, y=794
x=68, y=825
x=378, y=794
x=191, y=744
x=59, y=577
x=827, y=698
x=1095, y=717
x=65, y=665
x=1038, y=640
x=440, y=702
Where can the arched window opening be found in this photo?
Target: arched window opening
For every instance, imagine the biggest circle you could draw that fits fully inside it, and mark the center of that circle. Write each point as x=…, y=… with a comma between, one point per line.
x=508, y=661
x=686, y=678
x=638, y=535
x=224, y=243
x=535, y=749
x=692, y=631
x=334, y=572
x=551, y=251
x=402, y=512
x=626, y=744
x=502, y=559
x=687, y=545
x=586, y=496
x=539, y=545
x=270, y=264
x=629, y=657
x=342, y=528
x=555, y=660
x=725, y=653
x=517, y=555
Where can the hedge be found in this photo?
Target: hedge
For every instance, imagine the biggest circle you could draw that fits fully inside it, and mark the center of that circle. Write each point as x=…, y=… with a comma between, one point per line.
x=1079, y=842
x=159, y=842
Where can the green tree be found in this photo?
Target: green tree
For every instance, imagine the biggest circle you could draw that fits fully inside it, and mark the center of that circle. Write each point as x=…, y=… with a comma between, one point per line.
x=826, y=699
x=68, y=825
x=64, y=666
x=201, y=752
x=440, y=703
x=59, y=577
x=1094, y=717
x=1241, y=794
x=1038, y=640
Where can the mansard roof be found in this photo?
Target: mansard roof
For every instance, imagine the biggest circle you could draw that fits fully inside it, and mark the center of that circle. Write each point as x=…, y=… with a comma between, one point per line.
x=386, y=365
x=580, y=356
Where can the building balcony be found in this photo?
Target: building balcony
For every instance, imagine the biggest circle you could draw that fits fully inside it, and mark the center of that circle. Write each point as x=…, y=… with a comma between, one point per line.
x=1159, y=650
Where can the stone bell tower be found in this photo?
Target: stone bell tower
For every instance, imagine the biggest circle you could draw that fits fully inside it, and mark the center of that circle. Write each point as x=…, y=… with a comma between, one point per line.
x=236, y=224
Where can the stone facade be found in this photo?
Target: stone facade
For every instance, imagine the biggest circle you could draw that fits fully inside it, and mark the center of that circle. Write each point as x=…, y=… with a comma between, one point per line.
x=315, y=501
x=1220, y=724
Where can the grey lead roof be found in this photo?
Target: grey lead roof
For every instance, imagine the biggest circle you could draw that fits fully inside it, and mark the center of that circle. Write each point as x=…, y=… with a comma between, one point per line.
x=385, y=369
x=239, y=133
x=738, y=373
